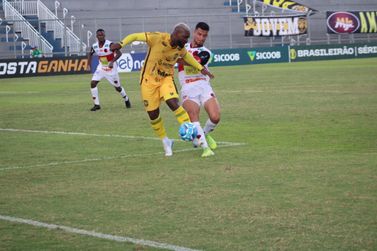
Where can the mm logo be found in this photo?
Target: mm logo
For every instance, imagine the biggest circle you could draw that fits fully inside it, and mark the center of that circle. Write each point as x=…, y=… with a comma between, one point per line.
x=252, y=55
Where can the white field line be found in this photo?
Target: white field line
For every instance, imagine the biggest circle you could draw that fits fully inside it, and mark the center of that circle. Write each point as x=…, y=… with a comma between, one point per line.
x=58, y=163
x=286, y=91
x=97, y=135
x=95, y=234
x=76, y=133
x=52, y=164
x=20, y=92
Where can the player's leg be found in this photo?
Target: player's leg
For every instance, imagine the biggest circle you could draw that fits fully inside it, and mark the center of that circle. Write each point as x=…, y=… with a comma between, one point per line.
x=114, y=80
x=95, y=95
x=212, y=108
x=151, y=98
x=191, y=104
x=180, y=113
x=124, y=95
x=97, y=76
x=168, y=92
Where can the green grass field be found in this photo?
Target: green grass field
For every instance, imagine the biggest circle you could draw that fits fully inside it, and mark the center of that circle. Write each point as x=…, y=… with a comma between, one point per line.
x=297, y=169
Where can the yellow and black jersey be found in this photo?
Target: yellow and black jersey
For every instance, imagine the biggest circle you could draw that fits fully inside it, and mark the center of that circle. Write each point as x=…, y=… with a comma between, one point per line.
x=161, y=56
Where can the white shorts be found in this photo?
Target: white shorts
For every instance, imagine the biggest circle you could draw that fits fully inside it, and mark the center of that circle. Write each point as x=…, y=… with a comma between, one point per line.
x=199, y=92
x=110, y=74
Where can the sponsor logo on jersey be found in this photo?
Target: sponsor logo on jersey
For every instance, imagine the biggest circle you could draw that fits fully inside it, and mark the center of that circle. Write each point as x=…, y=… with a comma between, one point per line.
x=162, y=73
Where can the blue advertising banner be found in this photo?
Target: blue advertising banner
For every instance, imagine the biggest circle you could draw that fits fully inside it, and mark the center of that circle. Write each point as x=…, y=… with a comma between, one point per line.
x=131, y=62
x=220, y=57
x=126, y=63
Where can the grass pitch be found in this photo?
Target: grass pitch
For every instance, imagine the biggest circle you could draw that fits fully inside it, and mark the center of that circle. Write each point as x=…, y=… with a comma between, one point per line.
x=304, y=178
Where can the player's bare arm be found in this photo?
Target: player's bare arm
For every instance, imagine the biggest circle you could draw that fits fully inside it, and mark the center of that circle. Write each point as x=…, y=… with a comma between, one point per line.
x=90, y=55
x=118, y=54
x=206, y=72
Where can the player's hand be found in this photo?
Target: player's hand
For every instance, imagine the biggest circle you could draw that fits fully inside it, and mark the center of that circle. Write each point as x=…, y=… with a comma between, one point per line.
x=111, y=64
x=206, y=72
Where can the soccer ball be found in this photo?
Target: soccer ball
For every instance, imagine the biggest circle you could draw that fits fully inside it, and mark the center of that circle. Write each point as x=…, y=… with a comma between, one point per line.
x=188, y=131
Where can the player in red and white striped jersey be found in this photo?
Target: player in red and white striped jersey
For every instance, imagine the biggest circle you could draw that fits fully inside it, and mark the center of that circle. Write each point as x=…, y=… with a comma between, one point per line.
x=197, y=91
x=107, y=68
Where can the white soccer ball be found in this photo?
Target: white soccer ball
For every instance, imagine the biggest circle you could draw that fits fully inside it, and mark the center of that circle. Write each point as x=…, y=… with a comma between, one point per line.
x=188, y=131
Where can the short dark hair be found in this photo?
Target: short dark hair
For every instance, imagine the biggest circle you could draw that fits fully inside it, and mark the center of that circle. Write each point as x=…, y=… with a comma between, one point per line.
x=202, y=25
x=100, y=30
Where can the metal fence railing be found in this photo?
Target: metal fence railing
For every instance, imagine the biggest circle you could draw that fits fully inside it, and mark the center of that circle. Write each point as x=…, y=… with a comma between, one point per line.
x=69, y=40
x=226, y=31
x=27, y=31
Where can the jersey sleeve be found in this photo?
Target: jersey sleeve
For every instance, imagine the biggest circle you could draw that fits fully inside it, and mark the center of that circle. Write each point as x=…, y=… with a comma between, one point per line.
x=152, y=38
x=192, y=61
x=183, y=52
x=133, y=37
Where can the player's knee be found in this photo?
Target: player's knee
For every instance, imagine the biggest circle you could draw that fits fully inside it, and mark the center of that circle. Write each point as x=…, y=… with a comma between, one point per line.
x=93, y=84
x=215, y=118
x=153, y=114
x=173, y=104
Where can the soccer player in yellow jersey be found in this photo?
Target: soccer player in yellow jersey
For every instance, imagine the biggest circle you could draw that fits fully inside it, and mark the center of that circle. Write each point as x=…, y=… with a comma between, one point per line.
x=157, y=75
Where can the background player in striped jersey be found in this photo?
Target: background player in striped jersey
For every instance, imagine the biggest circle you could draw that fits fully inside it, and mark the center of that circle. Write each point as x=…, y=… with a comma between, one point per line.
x=107, y=68
x=197, y=91
x=157, y=76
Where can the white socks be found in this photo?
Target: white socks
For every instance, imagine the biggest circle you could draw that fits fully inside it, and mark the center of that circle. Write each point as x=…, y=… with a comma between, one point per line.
x=202, y=139
x=95, y=96
x=124, y=94
x=165, y=140
x=209, y=127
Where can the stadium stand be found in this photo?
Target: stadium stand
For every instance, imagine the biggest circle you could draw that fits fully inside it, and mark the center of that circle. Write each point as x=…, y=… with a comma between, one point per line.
x=120, y=18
